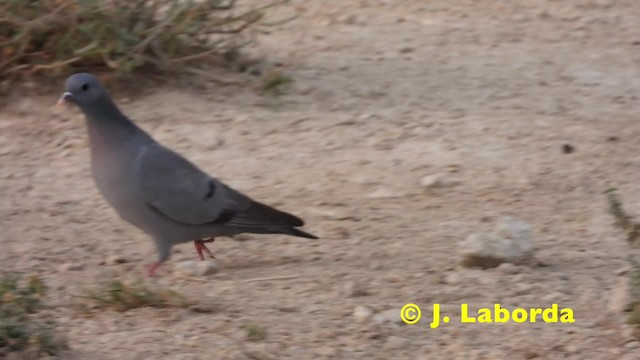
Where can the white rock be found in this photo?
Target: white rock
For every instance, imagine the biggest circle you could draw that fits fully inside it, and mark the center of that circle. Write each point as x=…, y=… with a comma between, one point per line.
x=196, y=268
x=511, y=242
x=70, y=267
x=490, y=250
x=388, y=316
x=508, y=268
x=452, y=278
x=553, y=297
x=362, y=313
x=438, y=181
x=385, y=194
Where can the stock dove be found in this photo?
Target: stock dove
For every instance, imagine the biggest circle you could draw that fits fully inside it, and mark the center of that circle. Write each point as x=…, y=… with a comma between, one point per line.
x=159, y=191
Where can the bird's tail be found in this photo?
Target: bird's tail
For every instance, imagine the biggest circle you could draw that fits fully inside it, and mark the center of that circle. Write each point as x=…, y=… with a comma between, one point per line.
x=299, y=233
x=287, y=230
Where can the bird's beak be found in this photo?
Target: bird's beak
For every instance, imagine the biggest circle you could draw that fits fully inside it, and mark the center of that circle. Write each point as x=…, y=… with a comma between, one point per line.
x=64, y=99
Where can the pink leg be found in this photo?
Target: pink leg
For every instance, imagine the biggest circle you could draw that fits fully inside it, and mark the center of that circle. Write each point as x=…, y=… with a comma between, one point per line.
x=151, y=269
x=200, y=247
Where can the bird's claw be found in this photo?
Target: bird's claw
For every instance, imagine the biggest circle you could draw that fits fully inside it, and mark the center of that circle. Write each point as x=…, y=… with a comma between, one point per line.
x=201, y=247
x=151, y=269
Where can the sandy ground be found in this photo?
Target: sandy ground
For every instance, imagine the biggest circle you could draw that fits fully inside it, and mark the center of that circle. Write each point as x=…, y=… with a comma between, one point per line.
x=386, y=92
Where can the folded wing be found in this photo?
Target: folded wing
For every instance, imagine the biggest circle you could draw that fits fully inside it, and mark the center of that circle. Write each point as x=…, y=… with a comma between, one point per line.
x=175, y=188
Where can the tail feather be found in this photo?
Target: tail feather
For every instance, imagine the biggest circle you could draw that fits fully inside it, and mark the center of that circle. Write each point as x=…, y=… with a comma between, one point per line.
x=259, y=214
x=299, y=233
x=259, y=218
x=286, y=230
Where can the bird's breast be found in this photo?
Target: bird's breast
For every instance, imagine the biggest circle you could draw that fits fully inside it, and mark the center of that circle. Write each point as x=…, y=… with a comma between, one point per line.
x=115, y=177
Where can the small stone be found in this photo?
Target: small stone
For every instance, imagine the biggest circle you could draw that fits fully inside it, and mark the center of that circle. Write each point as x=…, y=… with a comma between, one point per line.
x=523, y=288
x=406, y=50
x=116, y=260
x=438, y=181
x=396, y=342
x=572, y=348
x=508, y=268
x=619, y=298
x=384, y=194
x=388, y=316
x=632, y=344
x=350, y=19
x=70, y=267
x=568, y=148
x=452, y=278
x=362, y=313
x=623, y=270
x=328, y=351
x=196, y=268
x=355, y=289
x=553, y=297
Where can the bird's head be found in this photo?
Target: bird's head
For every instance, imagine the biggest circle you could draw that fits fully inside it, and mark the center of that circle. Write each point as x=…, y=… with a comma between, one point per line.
x=83, y=90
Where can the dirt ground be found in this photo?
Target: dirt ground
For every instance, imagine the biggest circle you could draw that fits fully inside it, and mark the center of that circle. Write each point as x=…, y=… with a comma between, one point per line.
x=386, y=92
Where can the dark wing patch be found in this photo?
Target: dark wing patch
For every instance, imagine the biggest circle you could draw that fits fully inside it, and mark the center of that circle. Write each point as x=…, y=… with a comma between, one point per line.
x=225, y=216
x=211, y=191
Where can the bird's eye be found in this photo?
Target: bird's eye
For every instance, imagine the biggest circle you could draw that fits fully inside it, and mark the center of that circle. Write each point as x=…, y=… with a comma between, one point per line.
x=85, y=87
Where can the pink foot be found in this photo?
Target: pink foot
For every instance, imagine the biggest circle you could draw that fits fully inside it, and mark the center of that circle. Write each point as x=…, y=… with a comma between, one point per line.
x=200, y=247
x=151, y=269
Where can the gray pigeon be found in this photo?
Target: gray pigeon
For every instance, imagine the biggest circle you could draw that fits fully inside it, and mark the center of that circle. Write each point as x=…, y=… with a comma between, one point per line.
x=159, y=191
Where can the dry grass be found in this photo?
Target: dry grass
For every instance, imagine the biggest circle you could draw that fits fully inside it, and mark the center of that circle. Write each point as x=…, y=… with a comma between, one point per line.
x=120, y=296
x=21, y=333
x=255, y=333
x=622, y=220
x=632, y=232
x=55, y=37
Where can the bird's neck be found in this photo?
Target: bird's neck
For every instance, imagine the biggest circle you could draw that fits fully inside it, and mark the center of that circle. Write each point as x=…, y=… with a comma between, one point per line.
x=109, y=129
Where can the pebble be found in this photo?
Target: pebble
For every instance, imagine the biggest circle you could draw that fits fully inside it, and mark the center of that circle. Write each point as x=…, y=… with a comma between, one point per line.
x=623, y=270
x=508, y=268
x=116, y=260
x=71, y=267
x=553, y=297
x=388, y=316
x=362, y=313
x=438, y=181
x=328, y=351
x=396, y=342
x=452, y=278
x=196, y=268
x=385, y=194
x=355, y=289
